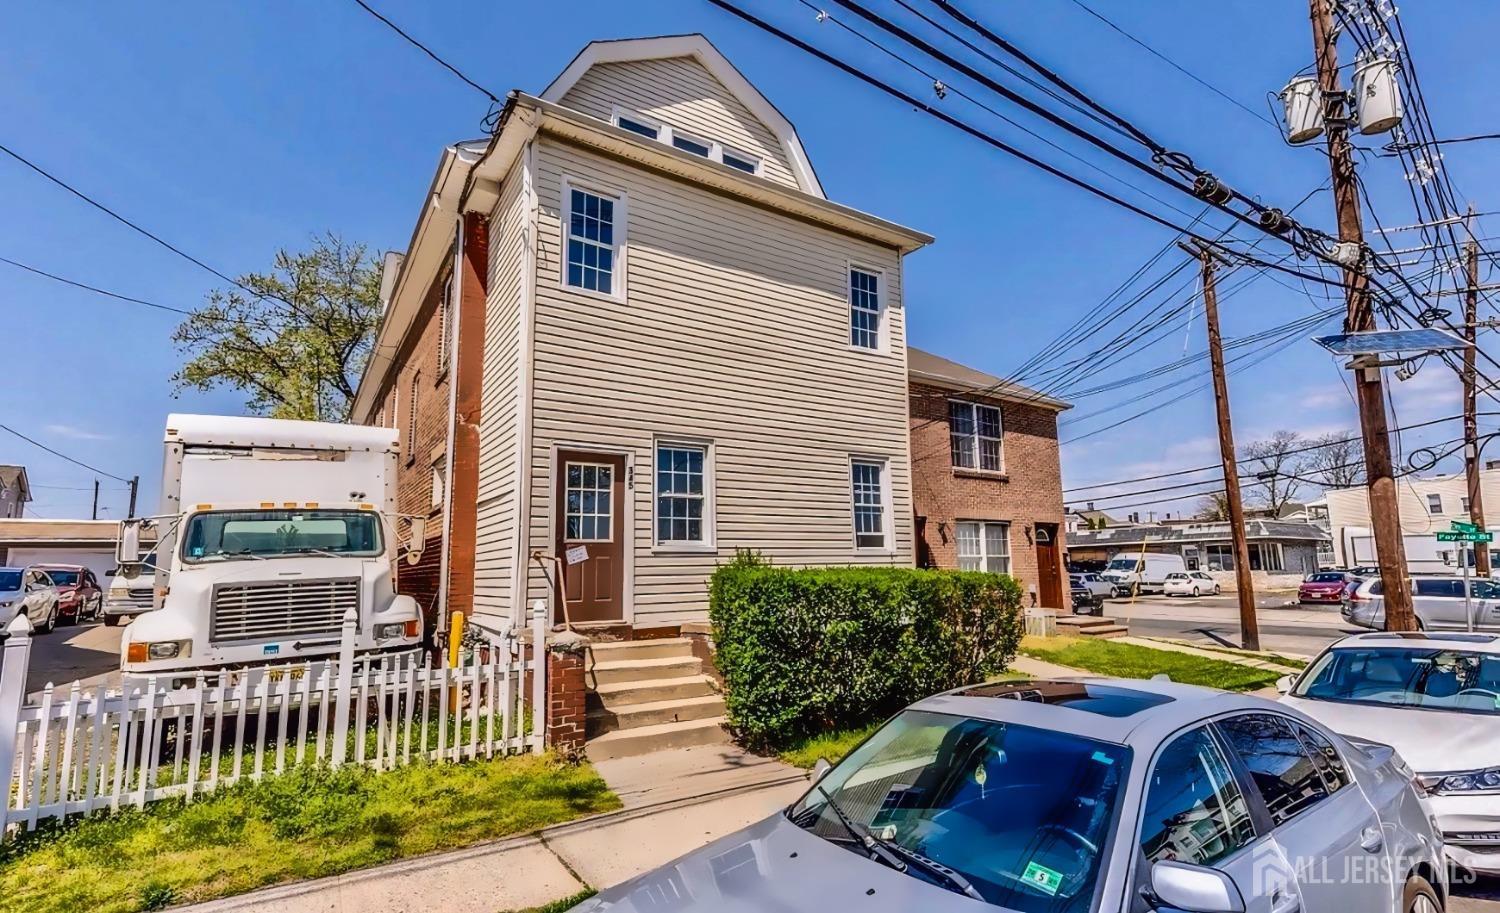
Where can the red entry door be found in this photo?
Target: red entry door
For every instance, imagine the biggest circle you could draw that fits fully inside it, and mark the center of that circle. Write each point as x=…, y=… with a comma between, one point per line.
x=589, y=503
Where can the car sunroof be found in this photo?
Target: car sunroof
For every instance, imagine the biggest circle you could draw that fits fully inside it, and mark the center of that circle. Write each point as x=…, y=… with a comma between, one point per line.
x=1104, y=700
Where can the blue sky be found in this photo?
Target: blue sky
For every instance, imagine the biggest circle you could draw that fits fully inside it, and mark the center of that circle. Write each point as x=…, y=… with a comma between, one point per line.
x=231, y=129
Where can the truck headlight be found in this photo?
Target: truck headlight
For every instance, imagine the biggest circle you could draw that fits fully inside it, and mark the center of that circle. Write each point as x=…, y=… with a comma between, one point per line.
x=398, y=629
x=163, y=649
x=1474, y=781
x=118, y=592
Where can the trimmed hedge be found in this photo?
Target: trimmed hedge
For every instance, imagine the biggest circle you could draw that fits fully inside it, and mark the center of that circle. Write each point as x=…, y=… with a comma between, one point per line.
x=812, y=650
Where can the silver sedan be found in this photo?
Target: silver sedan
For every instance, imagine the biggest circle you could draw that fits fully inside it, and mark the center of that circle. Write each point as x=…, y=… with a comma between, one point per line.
x=1079, y=795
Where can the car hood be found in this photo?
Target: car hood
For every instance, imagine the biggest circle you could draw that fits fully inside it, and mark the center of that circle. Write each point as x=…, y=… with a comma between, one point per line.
x=1431, y=741
x=775, y=867
x=8, y=595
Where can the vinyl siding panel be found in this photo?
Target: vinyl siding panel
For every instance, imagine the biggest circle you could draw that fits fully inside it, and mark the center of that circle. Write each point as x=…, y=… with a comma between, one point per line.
x=499, y=466
x=681, y=92
x=735, y=330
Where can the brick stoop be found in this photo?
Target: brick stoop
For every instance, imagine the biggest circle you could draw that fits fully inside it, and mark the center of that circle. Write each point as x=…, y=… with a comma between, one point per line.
x=649, y=695
x=1090, y=626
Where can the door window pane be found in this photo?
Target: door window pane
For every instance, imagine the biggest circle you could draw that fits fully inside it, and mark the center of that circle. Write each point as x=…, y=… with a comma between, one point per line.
x=1325, y=756
x=588, y=507
x=1194, y=811
x=1289, y=780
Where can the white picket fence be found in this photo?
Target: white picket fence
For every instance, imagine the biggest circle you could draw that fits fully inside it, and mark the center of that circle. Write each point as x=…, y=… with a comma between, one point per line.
x=84, y=749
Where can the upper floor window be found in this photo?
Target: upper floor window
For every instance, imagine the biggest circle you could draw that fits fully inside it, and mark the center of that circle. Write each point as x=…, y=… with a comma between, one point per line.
x=713, y=150
x=864, y=308
x=871, y=524
x=974, y=435
x=593, y=243
x=1434, y=504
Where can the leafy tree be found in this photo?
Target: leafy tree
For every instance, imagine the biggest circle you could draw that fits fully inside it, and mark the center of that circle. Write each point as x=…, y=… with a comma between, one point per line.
x=1275, y=467
x=295, y=339
x=1214, y=506
x=1339, y=461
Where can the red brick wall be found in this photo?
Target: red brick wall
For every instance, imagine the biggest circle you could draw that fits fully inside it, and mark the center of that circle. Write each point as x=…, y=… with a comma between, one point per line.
x=467, y=400
x=1029, y=492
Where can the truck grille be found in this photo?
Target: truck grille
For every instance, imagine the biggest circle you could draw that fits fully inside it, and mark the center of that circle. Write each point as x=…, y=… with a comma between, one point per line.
x=268, y=611
x=140, y=596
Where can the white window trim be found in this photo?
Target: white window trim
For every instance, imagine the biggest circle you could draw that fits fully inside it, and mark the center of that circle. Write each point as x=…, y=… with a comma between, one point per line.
x=883, y=331
x=984, y=555
x=439, y=483
x=710, y=543
x=977, y=469
x=665, y=133
x=888, y=515
x=621, y=227
x=1435, y=504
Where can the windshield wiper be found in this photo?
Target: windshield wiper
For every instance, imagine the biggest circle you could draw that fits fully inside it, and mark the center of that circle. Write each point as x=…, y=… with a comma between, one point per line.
x=242, y=553
x=877, y=847
x=955, y=880
x=312, y=551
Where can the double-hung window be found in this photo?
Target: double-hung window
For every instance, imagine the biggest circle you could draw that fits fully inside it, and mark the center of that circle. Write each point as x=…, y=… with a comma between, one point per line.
x=1434, y=504
x=682, y=495
x=864, y=308
x=593, y=242
x=871, y=524
x=984, y=546
x=974, y=434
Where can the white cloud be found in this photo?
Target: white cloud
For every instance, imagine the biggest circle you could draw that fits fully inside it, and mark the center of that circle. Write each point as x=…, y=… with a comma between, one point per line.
x=77, y=434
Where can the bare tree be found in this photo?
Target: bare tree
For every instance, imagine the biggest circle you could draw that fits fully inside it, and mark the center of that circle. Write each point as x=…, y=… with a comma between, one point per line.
x=1214, y=506
x=1339, y=461
x=1275, y=467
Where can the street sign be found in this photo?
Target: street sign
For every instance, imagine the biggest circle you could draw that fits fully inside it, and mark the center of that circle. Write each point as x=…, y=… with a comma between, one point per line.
x=1463, y=527
x=1457, y=536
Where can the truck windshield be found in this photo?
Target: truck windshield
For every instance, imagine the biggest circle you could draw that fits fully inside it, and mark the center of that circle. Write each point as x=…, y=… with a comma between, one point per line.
x=223, y=535
x=1124, y=564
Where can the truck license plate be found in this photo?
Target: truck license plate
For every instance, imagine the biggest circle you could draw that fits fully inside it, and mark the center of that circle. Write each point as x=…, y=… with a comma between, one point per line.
x=277, y=675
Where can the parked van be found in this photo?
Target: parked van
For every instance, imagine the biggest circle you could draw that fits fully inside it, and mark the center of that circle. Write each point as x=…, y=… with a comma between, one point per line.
x=1437, y=601
x=1145, y=573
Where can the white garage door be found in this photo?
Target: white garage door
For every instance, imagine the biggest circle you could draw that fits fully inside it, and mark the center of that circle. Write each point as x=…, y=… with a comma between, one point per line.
x=99, y=560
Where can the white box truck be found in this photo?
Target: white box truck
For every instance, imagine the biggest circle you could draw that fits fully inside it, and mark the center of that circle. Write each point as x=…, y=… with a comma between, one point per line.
x=1143, y=573
x=269, y=531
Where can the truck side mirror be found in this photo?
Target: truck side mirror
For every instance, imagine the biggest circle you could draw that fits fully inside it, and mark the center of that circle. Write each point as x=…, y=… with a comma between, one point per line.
x=416, y=540
x=128, y=546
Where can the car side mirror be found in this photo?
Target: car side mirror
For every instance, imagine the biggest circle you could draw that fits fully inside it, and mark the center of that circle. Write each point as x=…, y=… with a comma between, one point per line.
x=417, y=540
x=821, y=769
x=1284, y=684
x=128, y=546
x=1194, y=889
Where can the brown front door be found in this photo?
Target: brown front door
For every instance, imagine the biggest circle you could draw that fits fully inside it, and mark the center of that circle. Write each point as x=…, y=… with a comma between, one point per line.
x=589, y=507
x=1048, y=568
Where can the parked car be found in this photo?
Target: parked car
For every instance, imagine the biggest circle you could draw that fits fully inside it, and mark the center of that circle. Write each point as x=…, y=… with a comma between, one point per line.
x=1085, y=601
x=1325, y=586
x=1189, y=583
x=1435, y=699
x=1078, y=795
x=1144, y=573
x=78, y=594
x=132, y=589
x=1437, y=601
x=28, y=590
x=1094, y=584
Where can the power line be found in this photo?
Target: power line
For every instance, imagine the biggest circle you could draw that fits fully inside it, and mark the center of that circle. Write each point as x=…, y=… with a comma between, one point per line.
x=36, y=443
x=494, y=99
x=1177, y=66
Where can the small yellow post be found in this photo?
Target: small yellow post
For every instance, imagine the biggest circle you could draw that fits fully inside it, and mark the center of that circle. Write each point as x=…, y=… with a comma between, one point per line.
x=455, y=639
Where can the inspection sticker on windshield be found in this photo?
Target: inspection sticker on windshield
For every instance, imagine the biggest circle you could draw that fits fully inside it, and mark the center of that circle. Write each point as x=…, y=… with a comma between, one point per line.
x=1042, y=878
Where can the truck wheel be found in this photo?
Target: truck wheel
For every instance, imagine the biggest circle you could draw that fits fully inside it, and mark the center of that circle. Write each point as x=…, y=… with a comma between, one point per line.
x=113, y=621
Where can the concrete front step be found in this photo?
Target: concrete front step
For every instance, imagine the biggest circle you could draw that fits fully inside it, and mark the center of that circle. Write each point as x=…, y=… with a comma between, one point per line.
x=645, y=691
x=653, y=713
x=616, y=671
x=611, y=651
x=1083, y=621
x=1104, y=631
x=627, y=743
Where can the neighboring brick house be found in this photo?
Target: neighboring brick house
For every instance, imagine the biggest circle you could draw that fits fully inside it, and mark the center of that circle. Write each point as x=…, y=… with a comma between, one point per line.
x=663, y=344
x=986, y=475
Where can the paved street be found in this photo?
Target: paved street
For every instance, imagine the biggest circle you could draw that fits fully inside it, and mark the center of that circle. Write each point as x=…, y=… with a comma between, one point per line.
x=88, y=652
x=1284, y=627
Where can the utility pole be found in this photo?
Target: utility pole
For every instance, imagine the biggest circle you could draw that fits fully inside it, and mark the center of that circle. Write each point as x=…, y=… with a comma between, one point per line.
x=1369, y=386
x=1244, y=586
x=135, y=484
x=95, y=514
x=1471, y=419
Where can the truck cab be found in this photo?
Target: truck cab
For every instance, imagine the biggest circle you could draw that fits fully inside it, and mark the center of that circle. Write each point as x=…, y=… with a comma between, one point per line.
x=270, y=531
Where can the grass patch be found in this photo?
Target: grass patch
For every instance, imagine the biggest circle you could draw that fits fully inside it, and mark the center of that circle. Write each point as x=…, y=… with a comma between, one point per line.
x=307, y=823
x=830, y=745
x=560, y=906
x=1279, y=659
x=1133, y=661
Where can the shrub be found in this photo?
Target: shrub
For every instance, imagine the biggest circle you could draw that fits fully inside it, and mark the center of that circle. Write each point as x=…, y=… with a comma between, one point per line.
x=810, y=650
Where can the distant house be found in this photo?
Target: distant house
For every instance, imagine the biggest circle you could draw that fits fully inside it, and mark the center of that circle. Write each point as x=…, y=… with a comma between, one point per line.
x=630, y=330
x=986, y=479
x=1426, y=505
x=1278, y=548
x=15, y=491
x=90, y=543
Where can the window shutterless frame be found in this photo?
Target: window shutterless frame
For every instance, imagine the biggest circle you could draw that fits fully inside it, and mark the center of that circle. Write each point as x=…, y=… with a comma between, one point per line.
x=869, y=328
x=618, y=246
x=708, y=541
x=980, y=440
x=649, y=127
x=870, y=478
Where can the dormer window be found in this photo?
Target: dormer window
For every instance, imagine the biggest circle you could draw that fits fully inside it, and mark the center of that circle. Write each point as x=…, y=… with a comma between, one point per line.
x=712, y=150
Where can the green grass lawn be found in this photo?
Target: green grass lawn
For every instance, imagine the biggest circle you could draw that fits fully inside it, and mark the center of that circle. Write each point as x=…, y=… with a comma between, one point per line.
x=1290, y=662
x=830, y=745
x=307, y=823
x=1132, y=661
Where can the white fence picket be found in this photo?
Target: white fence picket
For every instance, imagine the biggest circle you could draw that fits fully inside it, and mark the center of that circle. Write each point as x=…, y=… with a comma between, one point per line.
x=79, y=750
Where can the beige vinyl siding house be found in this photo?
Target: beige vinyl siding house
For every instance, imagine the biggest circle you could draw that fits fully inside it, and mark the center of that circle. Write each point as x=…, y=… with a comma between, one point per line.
x=681, y=356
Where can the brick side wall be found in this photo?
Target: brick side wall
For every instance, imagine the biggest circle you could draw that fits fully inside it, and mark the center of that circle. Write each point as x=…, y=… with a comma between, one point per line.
x=567, y=693
x=1029, y=492
x=470, y=381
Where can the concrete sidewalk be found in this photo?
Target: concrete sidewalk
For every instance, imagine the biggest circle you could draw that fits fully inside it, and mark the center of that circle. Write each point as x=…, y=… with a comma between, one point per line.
x=675, y=802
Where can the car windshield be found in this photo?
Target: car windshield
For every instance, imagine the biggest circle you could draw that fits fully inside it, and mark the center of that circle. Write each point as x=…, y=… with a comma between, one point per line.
x=1023, y=815
x=63, y=578
x=228, y=534
x=1124, y=564
x=1432, y=679
x=1326, y=578
x=10, y=580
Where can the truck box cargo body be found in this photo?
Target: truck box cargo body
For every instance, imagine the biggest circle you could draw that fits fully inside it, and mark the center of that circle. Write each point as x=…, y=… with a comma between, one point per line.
x=270, y=530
